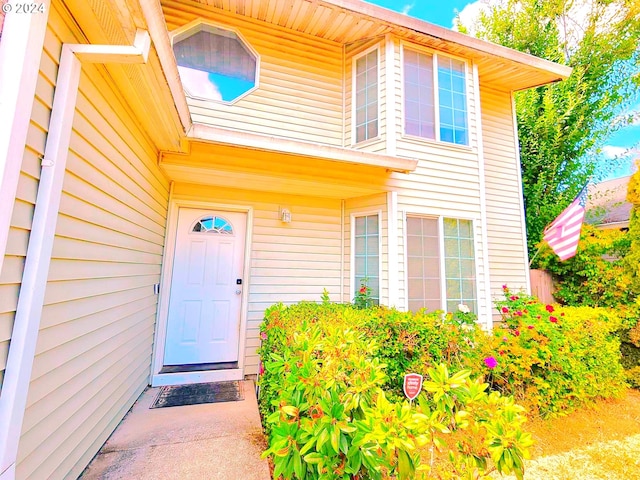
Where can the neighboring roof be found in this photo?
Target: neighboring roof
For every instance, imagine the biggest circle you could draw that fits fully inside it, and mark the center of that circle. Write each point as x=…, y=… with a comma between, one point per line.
x=348, y=21
x=607, y=202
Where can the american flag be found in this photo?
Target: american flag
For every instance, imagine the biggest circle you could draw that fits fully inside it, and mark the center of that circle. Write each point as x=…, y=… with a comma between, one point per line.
x=563, y=233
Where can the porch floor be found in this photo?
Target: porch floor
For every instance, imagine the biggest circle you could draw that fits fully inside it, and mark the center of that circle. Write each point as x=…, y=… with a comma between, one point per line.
x=208, y=441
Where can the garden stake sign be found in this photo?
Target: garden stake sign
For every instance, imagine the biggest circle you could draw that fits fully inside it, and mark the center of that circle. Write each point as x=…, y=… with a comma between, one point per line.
x=412, y=385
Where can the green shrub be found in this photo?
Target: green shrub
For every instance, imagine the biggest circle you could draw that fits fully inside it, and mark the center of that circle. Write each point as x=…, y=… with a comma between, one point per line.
x=328, y=417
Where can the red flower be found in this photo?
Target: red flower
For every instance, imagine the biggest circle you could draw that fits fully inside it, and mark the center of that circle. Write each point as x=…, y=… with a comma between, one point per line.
x=530, y=327
x=513, y=298
x=505, y=310
x=504, y=287
x=363, y=290
x=562, y=314
x=549, y=308
x=516, y=332
x=553, y=319
x=518, y=313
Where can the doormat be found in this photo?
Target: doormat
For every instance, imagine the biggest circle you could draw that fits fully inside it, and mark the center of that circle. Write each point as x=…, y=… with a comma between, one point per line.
x=197, y=393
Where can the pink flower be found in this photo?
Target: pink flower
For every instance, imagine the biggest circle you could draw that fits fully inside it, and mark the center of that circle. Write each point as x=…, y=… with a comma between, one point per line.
x=261, y=368
x=530, y=327
x=505, y=310
x=553, y=319
x=549, y=308
x=263, y=335
x=518, y=313
x=516, y=332
x=504, y=287
x=491, y=362
x=513, y=298
x=505, y=339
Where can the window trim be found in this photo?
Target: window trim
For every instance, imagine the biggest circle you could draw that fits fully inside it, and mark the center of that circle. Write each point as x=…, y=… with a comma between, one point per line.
x=443, y=274
x=353, y=96
x=352, y=255
x=436, y=94
x=199, y=25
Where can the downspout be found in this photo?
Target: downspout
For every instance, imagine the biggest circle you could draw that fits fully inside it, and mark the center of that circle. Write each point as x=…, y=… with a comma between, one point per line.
x=13, y=398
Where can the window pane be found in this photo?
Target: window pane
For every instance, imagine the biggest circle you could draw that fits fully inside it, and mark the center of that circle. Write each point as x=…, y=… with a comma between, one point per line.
x=423, y=263
x=418, y=94
x=214, y=64
x=366, y=98
x=367, y=260
x=453, y=101
x=459, y=263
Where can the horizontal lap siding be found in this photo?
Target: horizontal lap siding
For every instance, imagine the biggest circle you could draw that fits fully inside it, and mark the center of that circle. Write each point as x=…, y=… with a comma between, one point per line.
x=506, y=238
x=96, y=334
x=300, y=81
x=11, y=275
x=290, y=262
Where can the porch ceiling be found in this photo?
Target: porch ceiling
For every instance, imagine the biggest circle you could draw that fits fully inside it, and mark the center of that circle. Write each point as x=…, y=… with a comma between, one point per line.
x=233, y=166
x=348, y=21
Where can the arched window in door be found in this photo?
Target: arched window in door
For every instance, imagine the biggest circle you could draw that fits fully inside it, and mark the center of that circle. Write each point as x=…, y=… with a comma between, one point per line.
x=213, y=224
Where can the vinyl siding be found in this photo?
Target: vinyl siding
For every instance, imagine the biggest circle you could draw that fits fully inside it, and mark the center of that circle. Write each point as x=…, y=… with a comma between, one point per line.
x=506, y=237
x=289, y=262
x=300, y=92
x=94, y=347
x=11, y=275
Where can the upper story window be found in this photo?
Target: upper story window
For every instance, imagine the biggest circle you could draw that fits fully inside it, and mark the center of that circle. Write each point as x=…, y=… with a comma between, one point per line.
x=435, y=98
x=214, y=63
x=365, y=86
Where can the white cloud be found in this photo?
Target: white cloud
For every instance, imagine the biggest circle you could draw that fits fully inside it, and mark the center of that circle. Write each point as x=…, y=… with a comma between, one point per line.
x=198, y=83
x=610, y=151
x=470, y=13
x=407, y=8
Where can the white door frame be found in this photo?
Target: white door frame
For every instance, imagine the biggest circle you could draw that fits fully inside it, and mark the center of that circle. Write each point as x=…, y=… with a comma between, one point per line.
x=157, y=359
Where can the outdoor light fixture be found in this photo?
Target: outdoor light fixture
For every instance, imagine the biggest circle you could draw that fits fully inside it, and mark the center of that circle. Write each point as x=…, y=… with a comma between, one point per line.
x=285, y=215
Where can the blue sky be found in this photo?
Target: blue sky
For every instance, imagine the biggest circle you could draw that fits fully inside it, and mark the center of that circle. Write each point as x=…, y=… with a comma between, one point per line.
x=442, y=12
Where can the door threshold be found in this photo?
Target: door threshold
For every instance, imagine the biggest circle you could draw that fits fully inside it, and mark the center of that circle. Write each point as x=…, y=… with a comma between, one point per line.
x=198, y=367
x=185, y=378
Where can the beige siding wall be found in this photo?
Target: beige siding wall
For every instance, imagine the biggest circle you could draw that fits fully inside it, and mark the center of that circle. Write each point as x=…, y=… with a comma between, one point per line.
x=352, y=52
x=506, y=238
x=289, y=262
x=12, y=269
x=369, y=205
x=301, y=85
x=94, y=346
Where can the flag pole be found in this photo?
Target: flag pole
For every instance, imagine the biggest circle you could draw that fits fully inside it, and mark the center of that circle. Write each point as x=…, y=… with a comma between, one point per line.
x=535, y=255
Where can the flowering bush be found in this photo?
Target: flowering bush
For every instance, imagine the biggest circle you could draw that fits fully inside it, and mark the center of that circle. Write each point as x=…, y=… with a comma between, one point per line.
x=553, y=358
x=363, y=296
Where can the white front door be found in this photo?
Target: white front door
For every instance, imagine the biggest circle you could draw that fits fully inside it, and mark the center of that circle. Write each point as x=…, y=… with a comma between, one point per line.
x=203, y=325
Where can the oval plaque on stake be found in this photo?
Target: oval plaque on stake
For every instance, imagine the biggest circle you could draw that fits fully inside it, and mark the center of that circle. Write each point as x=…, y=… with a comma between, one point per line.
x=412, y=385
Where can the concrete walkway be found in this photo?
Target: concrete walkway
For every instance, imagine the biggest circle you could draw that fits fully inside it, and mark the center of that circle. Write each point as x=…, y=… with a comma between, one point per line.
x=210, y=441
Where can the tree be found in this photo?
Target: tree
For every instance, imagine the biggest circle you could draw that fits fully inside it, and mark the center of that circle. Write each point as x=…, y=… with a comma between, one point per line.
x=632, y=259
x=563, y=126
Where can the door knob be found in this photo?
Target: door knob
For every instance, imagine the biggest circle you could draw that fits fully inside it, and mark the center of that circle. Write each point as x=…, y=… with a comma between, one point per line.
x=238, y=292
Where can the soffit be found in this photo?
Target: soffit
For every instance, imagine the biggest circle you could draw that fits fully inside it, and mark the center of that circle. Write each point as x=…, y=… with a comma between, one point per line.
x=348, y=21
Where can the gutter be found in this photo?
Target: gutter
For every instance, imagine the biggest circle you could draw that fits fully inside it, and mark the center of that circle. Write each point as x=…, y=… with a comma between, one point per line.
x=13, y=398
